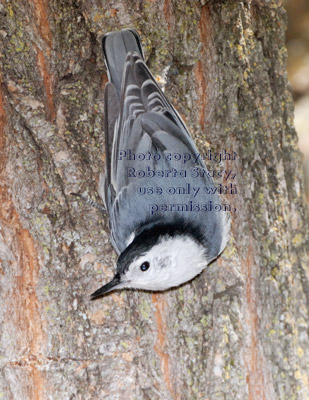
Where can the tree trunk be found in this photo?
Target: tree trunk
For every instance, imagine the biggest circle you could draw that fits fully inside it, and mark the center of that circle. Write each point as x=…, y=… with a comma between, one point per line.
x=239, y=330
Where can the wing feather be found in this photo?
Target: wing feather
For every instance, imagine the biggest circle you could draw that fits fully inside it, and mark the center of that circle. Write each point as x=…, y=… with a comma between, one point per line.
x=147, y=122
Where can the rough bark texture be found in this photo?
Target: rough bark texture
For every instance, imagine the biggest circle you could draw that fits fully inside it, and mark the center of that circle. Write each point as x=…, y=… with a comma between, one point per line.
x=238, y=331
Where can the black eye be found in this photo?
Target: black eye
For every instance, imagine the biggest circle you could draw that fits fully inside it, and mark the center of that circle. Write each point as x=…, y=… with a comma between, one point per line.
x=145, y=266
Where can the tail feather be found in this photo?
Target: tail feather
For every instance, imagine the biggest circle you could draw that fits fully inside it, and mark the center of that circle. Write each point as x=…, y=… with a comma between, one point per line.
x=116, y=46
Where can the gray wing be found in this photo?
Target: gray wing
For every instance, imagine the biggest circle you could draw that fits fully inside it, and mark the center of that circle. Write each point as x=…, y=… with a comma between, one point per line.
x=124, y=123
x=148, y=123
x=142, y=107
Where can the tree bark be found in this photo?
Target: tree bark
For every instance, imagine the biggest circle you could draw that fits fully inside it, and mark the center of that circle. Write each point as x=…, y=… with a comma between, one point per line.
x=239, y=330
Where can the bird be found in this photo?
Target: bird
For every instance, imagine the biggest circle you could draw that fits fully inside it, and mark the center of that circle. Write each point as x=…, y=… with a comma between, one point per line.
x=164, y=227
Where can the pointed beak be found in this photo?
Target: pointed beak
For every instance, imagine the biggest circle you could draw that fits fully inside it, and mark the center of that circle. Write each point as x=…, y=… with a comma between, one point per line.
x=107, y=288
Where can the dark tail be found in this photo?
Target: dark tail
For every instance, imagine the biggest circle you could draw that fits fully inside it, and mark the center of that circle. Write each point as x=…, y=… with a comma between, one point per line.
x=116, y=46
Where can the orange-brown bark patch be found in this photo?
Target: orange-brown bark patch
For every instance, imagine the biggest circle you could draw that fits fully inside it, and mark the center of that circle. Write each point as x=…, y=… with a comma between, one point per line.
x=253, y=359
x=2, y=124
x=23, y=305
x=160, y=305
x=48, y=84
x=199, y=70
x=202, y=93
x=40, y=7
x=168, y=14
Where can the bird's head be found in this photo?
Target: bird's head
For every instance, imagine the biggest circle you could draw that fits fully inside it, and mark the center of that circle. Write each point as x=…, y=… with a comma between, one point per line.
x=157, y=263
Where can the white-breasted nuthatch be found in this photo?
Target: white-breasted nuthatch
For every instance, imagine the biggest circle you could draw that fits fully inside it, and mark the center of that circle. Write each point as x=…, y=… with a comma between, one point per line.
x=165, y=227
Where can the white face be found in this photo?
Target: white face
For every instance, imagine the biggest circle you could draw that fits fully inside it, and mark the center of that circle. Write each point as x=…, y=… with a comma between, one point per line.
x=171, y=262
